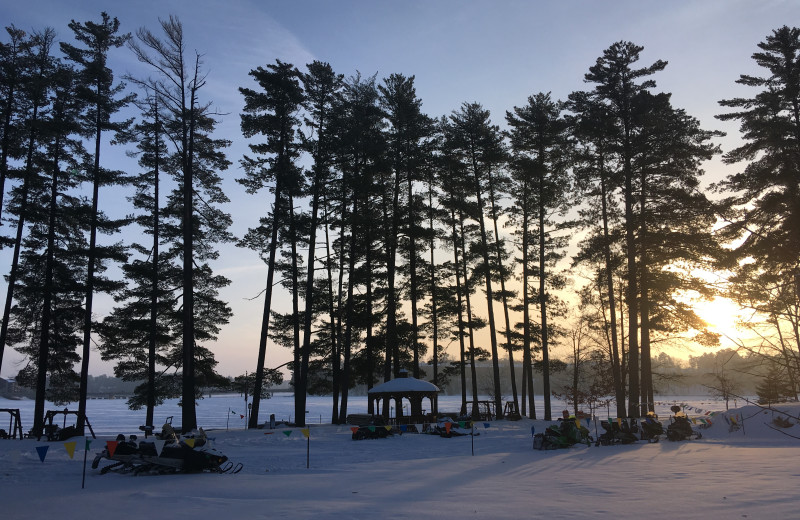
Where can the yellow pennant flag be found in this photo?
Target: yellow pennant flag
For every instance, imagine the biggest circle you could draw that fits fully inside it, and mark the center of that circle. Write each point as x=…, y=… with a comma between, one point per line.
x=306, y=433
x=70, y=446
x=577, y=423
x=189, y=442
x=388, y=428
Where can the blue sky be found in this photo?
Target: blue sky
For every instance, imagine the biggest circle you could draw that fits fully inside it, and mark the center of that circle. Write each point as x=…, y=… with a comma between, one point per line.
x=493, y=52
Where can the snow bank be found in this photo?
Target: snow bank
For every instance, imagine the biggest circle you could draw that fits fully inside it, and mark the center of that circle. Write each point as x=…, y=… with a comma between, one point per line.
x=744, y=472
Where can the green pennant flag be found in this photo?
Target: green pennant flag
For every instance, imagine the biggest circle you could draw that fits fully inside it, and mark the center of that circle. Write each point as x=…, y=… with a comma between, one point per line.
x=287, y=432
x=88, y=442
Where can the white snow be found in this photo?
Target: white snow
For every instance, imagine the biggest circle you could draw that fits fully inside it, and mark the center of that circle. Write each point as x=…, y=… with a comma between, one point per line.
x=750, y=473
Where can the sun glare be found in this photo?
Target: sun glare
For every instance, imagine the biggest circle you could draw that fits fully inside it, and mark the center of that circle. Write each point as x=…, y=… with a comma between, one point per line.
x=721, y=314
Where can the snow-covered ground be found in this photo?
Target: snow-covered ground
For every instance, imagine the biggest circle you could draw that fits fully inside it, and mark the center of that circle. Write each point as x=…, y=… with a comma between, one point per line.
x=751, y=472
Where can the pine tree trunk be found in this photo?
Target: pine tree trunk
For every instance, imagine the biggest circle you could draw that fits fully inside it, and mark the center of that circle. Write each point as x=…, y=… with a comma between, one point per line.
x=489, y=293
x=154, y=292
x=504, y=298
x=461, y=333
x=619, y=388
x=12, y=277
x=48, y=289
x=262, y=345
x=87, y=319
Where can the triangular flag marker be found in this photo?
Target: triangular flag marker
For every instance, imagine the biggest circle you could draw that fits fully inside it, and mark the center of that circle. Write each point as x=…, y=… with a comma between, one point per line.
x=189, y=442
x=306, y=433
x=159, y=443
x=42, y=451
x=287, y=432
x=112, y=447
x=70, y=446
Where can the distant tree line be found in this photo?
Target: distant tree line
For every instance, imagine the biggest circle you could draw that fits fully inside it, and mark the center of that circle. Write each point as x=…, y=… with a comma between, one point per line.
x=397, y=235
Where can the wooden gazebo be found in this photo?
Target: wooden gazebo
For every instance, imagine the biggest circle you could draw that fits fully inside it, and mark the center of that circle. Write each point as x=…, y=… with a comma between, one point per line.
x=405, y=387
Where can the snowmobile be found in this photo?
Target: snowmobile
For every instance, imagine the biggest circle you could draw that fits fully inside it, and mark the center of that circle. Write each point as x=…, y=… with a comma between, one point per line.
x=176, y=456
x=680, y=429
x=370, y=432
x=617, y=432
x=441, y=428
x=652, y=428
x=563, y=435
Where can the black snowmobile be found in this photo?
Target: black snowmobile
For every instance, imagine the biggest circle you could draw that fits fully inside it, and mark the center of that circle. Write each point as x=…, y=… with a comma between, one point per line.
x=177, y=455
x=651, y=428
x=680, y=428
x=617, y=432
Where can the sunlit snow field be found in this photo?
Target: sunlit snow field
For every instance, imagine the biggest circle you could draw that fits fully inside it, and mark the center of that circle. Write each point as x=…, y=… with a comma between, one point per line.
x=750, y=472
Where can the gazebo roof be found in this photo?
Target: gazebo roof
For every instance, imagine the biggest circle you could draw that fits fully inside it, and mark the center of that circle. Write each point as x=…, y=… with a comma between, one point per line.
x=404, y=385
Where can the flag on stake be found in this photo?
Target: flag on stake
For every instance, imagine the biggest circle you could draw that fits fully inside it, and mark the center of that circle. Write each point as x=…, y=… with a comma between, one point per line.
x=112, y=447
x=403, y=428
x=447, y=426
x=189, y=442
x=159, y=443
x=486, y=425
x=306, y=433
x=588, y=422
x=287, y=432
x=577, y=423
x=371, y=428
x=462, y=424
x=88, y=442
x=42, y=451
x=388, y=428
x=354, y=429
x=70, y=446
x=419, y=428
x=533, y=431
x=234, y=413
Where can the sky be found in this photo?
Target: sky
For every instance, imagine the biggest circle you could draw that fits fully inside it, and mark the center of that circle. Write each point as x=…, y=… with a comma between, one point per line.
x=494, y=52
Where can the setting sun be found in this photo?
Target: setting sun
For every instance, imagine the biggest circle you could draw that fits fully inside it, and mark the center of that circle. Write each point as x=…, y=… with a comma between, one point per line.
x=722, y=316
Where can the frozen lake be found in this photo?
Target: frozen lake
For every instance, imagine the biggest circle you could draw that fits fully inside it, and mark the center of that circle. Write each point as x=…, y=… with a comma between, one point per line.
x=225, y=411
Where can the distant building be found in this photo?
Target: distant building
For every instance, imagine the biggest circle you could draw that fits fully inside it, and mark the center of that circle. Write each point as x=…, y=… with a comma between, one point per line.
x=9, y=389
